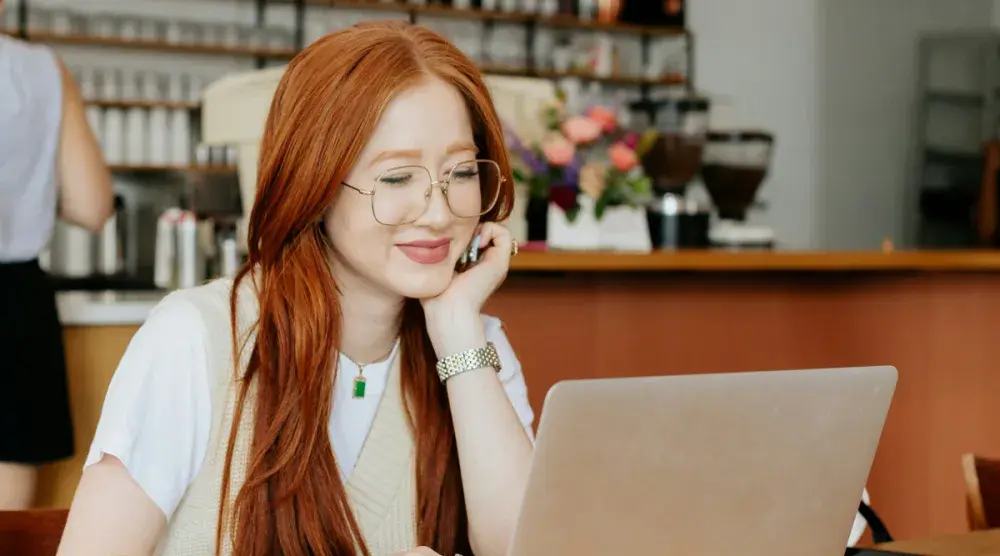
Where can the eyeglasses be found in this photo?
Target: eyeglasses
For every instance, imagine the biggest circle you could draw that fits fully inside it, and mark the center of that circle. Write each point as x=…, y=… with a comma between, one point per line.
x=401, y=195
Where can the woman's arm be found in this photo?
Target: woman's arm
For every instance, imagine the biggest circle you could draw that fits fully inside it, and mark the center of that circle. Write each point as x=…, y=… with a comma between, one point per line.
x=111, y=514
x=86, y=197
x=151, y=439
x=494, y=448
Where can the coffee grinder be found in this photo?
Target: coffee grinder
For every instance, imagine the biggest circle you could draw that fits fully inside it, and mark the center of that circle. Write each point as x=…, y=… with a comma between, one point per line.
x=673, y=161
x=734, y=165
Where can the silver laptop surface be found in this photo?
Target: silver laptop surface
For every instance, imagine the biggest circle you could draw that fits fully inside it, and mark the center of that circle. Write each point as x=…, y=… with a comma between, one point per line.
x=755, y=464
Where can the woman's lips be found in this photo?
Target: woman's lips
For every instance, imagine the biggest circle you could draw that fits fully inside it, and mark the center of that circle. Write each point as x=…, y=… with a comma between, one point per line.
x=426, y=251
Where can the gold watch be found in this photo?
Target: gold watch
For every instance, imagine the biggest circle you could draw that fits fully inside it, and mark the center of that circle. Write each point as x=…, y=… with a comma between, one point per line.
x=470, y=360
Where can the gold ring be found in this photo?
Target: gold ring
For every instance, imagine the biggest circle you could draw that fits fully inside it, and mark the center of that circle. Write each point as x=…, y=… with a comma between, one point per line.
x=513, y=247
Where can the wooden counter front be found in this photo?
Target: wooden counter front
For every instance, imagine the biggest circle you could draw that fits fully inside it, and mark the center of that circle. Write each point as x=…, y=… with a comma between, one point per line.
x=936, y=317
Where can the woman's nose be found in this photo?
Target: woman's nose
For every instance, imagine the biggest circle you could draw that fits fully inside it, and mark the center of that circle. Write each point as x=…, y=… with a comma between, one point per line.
x=438, y=211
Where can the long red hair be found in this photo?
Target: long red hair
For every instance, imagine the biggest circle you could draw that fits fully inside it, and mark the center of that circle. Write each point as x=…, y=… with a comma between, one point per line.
x=326, y=106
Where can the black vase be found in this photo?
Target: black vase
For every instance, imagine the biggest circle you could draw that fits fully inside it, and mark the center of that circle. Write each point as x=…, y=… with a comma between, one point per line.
x=537, y=217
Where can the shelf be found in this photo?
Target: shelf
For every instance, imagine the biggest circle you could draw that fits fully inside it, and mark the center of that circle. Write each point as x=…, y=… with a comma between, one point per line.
x=952, y=156
x=161, y=46
x=557, y=21
x=955, y=98
x=725, y=261
x=147, y=104
x=497, y=69
x=157, y=169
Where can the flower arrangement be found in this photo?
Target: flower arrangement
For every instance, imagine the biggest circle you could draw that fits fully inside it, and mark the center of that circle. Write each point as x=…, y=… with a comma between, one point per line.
x=586, y=154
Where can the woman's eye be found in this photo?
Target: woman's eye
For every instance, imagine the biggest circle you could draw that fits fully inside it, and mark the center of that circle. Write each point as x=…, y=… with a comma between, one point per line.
x=461, y=175
x=396, y=179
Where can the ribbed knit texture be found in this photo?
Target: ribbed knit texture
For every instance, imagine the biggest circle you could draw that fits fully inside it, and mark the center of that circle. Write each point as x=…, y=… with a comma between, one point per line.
x=382, y=488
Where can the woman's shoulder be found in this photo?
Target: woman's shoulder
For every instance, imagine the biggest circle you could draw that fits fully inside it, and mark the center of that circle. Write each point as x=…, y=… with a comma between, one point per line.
x=18, y=57
x=210, y=296
x=208, y=304
x=15, y=46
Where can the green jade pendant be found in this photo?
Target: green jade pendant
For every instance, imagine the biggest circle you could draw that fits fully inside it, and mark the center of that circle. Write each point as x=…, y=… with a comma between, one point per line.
x=359, y=383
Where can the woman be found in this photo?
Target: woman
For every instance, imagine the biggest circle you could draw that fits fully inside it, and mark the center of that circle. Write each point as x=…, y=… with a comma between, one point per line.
x=43, y=134
x=373, y=409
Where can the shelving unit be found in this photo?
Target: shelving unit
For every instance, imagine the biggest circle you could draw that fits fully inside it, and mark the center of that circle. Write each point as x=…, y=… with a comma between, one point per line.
x=532, y=22
x=158, y=169
x=554, y=21
x=958, y=72
x=161, y=46
x=146, y=104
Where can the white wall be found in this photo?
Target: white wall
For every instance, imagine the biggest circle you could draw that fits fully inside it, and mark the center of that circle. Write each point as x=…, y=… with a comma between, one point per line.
x=835, y=81
x=761, y=57
x=867, y=92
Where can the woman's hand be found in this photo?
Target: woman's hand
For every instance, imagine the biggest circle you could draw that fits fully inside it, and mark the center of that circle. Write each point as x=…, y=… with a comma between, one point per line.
x=453, y=321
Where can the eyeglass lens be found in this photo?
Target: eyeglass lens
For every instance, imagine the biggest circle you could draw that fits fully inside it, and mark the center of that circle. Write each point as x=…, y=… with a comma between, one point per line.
x=401, y=195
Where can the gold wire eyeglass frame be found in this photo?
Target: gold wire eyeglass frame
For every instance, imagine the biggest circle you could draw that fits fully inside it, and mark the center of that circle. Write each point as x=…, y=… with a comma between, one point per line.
x=442, y=184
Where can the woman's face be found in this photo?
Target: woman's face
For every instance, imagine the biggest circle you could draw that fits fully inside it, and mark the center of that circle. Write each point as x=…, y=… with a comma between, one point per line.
x=429, y=126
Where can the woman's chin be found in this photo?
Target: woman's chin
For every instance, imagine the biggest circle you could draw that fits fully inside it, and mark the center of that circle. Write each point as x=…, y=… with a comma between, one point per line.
x=421, y=284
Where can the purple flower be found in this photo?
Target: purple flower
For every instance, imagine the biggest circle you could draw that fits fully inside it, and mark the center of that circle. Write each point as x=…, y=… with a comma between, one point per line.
x=534, y=162
x=572, y=172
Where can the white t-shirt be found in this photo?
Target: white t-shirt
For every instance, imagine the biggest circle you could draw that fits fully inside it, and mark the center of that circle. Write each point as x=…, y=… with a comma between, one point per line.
x=157, y=413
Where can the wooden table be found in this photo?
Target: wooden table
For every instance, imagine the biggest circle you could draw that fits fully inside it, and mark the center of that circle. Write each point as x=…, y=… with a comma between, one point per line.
x=978, y=543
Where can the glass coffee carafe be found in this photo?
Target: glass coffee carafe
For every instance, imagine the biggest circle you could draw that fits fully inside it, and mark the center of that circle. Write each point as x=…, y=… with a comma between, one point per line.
x=734, y=165
x=676, y=156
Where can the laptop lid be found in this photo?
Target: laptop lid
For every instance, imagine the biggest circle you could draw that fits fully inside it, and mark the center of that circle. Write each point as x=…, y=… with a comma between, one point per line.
x=756, y=463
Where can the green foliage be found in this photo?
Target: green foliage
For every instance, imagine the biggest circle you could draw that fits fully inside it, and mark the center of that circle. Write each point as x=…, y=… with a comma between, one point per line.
x=633, y=189
x=519, y=176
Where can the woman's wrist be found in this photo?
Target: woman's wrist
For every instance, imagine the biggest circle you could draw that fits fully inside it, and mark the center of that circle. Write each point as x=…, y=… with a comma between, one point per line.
x=455, y=333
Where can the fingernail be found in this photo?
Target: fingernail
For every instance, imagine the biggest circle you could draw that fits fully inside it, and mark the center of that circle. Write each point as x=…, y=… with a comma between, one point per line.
x=474, y=252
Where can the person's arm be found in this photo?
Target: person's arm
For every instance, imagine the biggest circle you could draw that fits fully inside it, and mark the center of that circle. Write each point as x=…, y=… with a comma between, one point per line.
x=492, y=423
x=111, y=514
x=86, y=197
x=151, y=439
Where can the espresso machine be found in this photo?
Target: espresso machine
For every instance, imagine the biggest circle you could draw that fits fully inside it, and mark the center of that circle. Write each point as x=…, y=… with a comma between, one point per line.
x=734, y=166
x=673, y=161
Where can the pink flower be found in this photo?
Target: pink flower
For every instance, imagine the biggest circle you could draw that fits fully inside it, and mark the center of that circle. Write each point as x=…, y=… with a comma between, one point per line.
x=622, y=157
x=581, y=130
x=558, y=152
x=605, y=117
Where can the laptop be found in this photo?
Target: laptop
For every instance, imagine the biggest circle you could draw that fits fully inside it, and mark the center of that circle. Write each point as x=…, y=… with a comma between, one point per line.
x=755, y=463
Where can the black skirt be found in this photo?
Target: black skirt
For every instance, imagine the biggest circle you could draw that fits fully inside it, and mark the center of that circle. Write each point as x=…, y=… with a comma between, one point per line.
x=35, y=422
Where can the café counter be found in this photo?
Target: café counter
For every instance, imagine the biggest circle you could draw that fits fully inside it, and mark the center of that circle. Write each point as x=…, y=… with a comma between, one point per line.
x=933, y=315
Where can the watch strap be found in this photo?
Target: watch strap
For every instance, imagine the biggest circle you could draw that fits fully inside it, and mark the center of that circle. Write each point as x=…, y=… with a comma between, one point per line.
x=469, y=360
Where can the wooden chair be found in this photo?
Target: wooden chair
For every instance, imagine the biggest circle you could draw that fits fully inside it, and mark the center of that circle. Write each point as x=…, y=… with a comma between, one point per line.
x=31, y=532
x=982, y=491
x=987, y=225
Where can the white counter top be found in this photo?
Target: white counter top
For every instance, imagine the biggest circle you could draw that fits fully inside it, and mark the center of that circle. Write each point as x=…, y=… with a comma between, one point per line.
x=105, y=308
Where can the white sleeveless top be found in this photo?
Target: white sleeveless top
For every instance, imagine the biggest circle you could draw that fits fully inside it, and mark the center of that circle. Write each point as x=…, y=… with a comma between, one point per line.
x=30, y=120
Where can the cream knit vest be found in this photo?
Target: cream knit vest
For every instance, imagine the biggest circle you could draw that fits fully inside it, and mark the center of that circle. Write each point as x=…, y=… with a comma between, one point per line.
x=382, y=488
